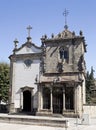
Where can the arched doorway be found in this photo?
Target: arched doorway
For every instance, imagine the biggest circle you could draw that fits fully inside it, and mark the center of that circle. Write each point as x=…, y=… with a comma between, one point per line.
x=27, y=101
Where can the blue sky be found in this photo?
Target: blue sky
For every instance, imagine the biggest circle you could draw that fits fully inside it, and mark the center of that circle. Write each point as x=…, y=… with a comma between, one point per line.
x=45, y=17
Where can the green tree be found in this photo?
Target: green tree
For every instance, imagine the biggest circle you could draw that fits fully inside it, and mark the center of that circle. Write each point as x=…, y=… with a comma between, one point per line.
x=89, y=84
x=4, y=82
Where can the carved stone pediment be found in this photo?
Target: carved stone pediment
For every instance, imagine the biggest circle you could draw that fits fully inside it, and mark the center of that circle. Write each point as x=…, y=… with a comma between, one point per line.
x=65, y=34
x=26, y=88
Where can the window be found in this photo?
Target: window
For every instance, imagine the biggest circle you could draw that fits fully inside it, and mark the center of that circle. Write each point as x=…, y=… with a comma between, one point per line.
x=63, y=53
x=28, y=62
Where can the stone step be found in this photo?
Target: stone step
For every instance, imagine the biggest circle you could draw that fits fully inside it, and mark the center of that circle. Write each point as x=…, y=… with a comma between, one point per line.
x=34, y=120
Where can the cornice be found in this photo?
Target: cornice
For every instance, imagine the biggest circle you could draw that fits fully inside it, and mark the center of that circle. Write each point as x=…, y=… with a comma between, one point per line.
x=27, y=44
x=15, y=57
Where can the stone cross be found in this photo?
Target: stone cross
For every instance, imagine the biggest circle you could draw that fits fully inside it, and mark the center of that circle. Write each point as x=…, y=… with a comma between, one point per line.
x=29, y=29
x=65, y=13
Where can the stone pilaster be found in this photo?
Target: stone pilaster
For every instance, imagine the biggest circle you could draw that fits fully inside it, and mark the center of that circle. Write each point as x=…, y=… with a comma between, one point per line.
x=63, y=100
x=75, y=99
x=12, y=82
x=21, y=100
x=39, y=98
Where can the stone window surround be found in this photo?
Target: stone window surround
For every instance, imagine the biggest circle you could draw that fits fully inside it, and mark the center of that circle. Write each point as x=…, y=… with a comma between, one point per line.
x=65, y=56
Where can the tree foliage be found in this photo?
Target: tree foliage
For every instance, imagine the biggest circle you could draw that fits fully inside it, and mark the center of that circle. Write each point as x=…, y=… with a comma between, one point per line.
x=89, y=84
x=4, y=81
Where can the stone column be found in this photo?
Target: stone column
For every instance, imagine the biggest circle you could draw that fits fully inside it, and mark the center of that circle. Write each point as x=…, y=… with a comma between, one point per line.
x=75, y=95
x=63, y=99
x=39, y=99
x=51, y=100
x=21, y=100
x=76, y=98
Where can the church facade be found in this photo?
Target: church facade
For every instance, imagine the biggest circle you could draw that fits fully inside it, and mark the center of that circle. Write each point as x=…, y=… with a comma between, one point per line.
x=49, y=79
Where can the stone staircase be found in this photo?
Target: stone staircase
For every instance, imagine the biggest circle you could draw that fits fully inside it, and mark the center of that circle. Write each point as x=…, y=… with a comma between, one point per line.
x=34, y=120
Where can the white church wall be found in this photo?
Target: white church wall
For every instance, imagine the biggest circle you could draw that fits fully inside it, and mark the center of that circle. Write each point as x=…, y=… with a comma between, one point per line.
x=17, y=103
x=25, y=76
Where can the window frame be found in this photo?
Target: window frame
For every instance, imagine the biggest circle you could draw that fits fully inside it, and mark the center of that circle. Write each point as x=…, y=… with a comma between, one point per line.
x=64, y=54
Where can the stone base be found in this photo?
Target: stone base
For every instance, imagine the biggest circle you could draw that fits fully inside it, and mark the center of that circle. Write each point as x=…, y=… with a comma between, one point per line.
x=69, y=113
x=43, y=112
x=66, y=113
x=11, y=108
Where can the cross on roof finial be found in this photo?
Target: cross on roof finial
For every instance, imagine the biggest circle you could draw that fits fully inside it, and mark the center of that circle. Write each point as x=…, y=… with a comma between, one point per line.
x=65, y=13
x=29, y=29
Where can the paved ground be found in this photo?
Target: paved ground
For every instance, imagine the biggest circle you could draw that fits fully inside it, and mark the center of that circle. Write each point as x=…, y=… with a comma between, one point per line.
x=72, y=126
x=5, y=126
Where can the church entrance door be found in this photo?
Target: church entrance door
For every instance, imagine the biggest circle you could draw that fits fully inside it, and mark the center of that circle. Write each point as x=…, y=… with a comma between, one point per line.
x=57, y=100
x=27, y=101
